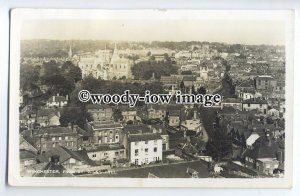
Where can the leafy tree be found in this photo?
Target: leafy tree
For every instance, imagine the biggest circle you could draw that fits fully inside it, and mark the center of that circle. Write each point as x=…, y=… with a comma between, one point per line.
x=29, y=76
x=201, y=90
x=220, y=145
x=74, y=115
x=71, y=71
x=143, y=70
x=117, y=114
x=59, y=84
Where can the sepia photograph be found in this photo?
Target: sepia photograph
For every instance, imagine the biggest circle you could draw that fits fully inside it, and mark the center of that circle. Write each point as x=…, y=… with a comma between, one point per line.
x=151, y=98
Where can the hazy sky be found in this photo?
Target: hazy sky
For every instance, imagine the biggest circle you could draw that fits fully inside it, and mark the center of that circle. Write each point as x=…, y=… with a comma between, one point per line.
x=230, y=31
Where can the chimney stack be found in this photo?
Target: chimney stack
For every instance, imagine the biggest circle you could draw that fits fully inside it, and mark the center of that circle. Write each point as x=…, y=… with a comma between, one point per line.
x=67, y=97
x=70, y=125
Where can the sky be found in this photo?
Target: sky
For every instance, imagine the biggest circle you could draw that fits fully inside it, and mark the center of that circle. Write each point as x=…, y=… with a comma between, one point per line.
x=270, y=32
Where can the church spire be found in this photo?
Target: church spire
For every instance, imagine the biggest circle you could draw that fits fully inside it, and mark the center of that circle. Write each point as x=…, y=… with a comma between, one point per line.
x=70, y=51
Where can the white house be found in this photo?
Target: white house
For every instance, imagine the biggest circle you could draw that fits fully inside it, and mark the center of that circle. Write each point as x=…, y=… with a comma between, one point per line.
x=273, y=113
x=255, y=104
x=145, y=148
x=57, y=101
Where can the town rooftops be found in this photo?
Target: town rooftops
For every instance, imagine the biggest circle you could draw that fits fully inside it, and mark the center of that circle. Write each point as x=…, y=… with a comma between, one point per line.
x=144, y=137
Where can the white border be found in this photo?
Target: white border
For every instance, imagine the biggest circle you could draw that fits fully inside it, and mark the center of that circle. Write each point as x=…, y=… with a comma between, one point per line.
x=19, y=15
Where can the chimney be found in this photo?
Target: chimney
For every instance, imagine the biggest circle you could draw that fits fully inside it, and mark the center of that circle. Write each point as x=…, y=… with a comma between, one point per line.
x=70, y=125
x=75, y=128
x=67, y=97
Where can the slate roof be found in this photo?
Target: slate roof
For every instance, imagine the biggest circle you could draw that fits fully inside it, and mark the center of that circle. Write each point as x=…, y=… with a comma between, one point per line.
x=106, y=147
x=255, y=101
x=65, y=154
x=26, y=154
x=47, y=112
x=137, y=129
x=227, y=110
x=103, y=125
x=144, y=137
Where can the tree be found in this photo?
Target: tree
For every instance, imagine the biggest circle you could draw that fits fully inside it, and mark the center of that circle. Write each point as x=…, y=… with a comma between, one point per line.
x=117, y=115
x=59, y=84
x=29, y=76
x=75, y=115
x=193, y=90
x=220, y=145
x=71, y=71
x=201, y=90
x=144, y=70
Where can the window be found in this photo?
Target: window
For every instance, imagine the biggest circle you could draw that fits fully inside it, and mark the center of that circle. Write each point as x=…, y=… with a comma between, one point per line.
x=59, y=138
x=117, y=138
x=146, y=142
x=116, y=153
x=94, y=155
x=146, y=150
x=136, y=152
x=136, y=161
x=66, y=138
x=121, y=152
x=53, y=139
x=146, y=160
x=155, y=149
x=136, y=143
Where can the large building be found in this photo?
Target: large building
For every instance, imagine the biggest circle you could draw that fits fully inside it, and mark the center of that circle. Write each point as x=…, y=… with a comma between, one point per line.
x=106, y=65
